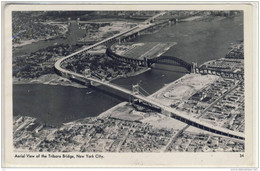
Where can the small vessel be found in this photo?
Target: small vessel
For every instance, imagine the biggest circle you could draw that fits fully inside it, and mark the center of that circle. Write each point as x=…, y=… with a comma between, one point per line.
x=88, y=92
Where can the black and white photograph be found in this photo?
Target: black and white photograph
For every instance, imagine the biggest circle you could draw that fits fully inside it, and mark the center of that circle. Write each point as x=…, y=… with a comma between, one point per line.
x=127, y=81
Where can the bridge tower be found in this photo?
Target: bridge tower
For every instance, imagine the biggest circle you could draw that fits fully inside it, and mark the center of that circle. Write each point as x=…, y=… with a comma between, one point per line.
x=170, y=22
x=87, y=72
x=146, y=62
x=135, y=90
x=194, y=67
x=173, y=20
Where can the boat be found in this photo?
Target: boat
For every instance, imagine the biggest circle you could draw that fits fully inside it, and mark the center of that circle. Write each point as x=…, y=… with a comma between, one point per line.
x=89, y=92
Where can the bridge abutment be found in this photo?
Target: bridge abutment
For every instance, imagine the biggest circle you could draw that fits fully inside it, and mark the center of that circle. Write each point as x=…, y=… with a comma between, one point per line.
x=166, y=113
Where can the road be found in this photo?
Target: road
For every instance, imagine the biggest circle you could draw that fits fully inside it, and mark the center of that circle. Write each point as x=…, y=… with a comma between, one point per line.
x=165, y=109
x=184, y=118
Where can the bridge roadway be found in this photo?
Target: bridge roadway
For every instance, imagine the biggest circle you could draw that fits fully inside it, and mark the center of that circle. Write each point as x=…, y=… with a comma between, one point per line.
x=170, y=111
x=58, y=63
x=154, y=17
x=138, y=28
x=133, y=30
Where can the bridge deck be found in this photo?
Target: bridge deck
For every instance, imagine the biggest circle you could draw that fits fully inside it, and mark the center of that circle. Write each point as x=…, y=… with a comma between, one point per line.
x=161, y=106
x=126, y=91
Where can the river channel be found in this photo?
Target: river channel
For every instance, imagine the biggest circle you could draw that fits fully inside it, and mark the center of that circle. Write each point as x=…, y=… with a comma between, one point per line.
x=197, y=41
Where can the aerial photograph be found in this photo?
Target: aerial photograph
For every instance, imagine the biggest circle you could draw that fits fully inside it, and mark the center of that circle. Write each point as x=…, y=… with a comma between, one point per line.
x=128, y=81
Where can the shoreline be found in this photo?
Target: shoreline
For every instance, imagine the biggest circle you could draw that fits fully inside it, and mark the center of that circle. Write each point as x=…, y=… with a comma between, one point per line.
x=70, y=83
x=51, y=84
x=168, y=85
x=28, y=42
x=192, y=18
x=107, y=113
x=131, y=74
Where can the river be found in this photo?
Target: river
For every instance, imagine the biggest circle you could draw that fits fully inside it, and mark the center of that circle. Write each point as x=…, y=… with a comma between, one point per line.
x=70, y=39
x=197, y=41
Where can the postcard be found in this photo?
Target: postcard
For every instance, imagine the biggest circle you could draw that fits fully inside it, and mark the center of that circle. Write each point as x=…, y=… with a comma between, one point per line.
x=129, y=84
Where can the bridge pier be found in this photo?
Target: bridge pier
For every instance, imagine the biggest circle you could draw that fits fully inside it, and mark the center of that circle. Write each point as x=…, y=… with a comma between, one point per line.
x=194, y=67
x=135, y=91
x=166, y=113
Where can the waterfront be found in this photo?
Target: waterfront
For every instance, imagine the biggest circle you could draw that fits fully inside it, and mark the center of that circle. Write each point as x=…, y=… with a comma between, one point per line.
x=200, y=41
x=209, y=40
x=65, y=103
x=70, y=39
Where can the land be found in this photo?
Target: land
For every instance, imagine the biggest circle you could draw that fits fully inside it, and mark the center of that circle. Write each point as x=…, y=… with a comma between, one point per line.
x=233, y=62
x=50, y=79
x=98, y=31
x=30, y=27
x=37, y=67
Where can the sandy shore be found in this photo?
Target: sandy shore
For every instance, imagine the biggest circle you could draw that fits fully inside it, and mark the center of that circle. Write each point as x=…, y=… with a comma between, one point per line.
x=108, y=112
x=26, y=42
x=49, y=79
